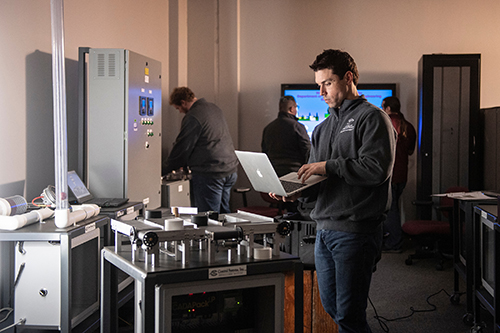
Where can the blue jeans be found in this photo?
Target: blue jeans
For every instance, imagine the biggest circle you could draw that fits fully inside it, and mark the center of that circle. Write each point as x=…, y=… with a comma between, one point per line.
x=212, y=194
x=344, y=266
x=393, y=223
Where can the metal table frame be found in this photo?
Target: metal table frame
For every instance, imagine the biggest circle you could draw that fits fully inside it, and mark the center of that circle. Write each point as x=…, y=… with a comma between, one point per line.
x=47, y=231
x=169, y=271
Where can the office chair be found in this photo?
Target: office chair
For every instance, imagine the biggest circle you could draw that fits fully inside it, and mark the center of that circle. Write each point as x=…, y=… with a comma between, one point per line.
x=273, y=209
x=431, y=235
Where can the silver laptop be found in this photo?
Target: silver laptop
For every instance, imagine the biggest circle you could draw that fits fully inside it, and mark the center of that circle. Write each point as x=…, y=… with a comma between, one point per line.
x=83, y=195
x=263, y=178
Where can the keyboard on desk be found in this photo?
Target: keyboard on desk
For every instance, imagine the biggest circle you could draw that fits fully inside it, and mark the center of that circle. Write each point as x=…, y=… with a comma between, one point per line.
x=109, y=202
x=291, y=186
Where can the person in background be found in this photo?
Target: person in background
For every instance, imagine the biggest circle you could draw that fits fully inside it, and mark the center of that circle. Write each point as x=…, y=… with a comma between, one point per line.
x=405, y=146
x=285, y=140
x=204, y=145
x=354, y=147
x=287, y=144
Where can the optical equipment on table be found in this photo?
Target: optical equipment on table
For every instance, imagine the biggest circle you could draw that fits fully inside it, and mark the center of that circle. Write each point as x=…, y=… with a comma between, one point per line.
x=176, y=237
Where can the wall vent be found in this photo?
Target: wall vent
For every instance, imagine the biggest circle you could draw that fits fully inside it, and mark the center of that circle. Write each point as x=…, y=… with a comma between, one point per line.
x=112, y=65
x=107, y=67
x=101, y=65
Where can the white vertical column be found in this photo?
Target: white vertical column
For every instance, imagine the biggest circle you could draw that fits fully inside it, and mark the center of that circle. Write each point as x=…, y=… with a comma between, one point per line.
x=60, y=126
x=183, y=44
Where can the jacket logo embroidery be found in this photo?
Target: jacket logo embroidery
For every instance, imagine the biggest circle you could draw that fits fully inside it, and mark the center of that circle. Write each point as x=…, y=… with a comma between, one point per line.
x=349, y=127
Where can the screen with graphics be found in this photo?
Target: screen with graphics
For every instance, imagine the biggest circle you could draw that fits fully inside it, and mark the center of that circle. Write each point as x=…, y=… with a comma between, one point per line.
x=312, y=109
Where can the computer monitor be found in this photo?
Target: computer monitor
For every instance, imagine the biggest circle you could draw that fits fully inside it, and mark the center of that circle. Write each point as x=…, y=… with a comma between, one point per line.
x=312, y=109
x=376, y=92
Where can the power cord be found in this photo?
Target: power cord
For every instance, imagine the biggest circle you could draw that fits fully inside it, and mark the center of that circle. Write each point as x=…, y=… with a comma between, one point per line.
x=47, y=196
x=382, y=320
x=9, y=309
x=20, y=322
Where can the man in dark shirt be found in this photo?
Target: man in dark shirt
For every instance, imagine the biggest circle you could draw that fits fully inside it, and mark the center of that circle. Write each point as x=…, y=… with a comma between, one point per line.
x=285, y=140
x=204, y=144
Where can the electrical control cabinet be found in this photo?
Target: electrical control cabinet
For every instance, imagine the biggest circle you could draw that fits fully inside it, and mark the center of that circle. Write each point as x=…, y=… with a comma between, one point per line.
x=124, y=126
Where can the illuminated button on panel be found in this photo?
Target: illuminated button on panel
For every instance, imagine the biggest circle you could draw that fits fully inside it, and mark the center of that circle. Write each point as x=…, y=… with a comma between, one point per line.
x=151, y=106
x=143, y=106
x=147, y=121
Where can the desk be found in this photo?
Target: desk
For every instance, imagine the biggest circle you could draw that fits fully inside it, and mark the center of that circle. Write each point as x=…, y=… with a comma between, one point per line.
x=154, y=283
x=52, y=289
x=127, y=211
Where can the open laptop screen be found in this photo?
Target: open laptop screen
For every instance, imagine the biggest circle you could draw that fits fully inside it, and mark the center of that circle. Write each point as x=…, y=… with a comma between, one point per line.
x=79, y=189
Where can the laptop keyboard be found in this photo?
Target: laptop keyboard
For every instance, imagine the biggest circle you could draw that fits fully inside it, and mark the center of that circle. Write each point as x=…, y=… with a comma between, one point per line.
x=109, y=202
x=291, y=186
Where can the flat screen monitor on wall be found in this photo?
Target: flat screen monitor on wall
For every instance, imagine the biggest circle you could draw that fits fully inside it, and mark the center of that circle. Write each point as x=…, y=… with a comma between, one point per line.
x=312, y=109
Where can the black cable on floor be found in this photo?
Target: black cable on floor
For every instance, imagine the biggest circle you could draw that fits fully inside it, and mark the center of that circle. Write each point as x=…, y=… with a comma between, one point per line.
x=382, y=320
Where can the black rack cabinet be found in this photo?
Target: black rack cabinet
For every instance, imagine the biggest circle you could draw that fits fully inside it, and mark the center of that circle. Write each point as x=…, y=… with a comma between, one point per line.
x=449, y=144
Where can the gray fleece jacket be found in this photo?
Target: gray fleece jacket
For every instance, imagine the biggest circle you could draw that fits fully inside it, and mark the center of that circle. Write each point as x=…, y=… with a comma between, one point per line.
x=358, y=143
x=204, y=143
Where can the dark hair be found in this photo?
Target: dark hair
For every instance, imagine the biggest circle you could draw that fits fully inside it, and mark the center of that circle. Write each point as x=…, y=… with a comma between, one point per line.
x=285, y=103
x=395, y=105
x=181, y=94
x=338, y=61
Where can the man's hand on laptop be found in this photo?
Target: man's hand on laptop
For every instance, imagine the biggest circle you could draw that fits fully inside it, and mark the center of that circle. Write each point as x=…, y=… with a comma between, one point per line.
x=307, y=170
x=292, y=197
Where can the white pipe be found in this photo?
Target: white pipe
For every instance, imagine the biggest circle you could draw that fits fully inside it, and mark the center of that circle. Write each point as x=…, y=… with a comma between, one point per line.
x=18, y=221
x=79, y=213
x=60, y=126
x=89, y=209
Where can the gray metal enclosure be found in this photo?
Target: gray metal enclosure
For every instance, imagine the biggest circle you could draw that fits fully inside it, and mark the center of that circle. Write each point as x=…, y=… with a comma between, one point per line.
x=124, y=126
x=449, y=147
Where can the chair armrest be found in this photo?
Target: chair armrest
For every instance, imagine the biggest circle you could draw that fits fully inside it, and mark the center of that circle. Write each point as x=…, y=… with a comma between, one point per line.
x=443, y=209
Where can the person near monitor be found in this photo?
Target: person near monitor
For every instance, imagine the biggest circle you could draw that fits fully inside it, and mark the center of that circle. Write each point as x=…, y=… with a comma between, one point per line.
x=355, y=148
x=285, y=140
x=405, y=146
x=204, y=145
